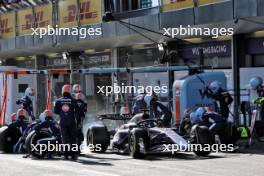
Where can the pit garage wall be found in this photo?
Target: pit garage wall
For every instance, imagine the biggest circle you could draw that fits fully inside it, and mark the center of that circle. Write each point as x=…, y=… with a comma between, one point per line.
x=255, y=65
x=15, y=90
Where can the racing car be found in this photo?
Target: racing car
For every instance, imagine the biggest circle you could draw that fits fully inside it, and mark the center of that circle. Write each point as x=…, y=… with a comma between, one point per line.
x=140, y=135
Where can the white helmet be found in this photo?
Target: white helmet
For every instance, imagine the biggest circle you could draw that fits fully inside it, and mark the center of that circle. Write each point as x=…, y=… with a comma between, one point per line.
x=148, y=99
x=30, y=92
x=215, y=86
x=197, y=116
x=255, y=82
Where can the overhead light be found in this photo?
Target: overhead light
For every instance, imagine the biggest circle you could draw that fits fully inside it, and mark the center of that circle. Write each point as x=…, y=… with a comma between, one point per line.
x=108, y=50
x=194, y=40
x=64, y=56
x=52, y=54
x=90, y=51
x=20, y=58
x=160, y=46
x=138, y=46
x=1, y=61
x=258, y=34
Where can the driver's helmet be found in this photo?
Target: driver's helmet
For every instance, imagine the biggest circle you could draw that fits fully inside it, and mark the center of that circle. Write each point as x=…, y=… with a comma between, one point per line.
x=145, y=116
x=197, y=116
x=148, y=99
x=124, y=110
x=30, y=92
x=76, y=88
x=215, y=86
x=21, y=114
x=255, y=82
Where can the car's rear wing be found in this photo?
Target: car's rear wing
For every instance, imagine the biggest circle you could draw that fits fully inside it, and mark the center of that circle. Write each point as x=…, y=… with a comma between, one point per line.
x=115, y=116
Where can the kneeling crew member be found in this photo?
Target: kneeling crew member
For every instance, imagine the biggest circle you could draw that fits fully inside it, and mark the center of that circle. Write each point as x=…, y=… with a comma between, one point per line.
x=21, y=123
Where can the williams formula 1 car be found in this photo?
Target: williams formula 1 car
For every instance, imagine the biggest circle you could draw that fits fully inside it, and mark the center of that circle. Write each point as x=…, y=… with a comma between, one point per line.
x=140, y=135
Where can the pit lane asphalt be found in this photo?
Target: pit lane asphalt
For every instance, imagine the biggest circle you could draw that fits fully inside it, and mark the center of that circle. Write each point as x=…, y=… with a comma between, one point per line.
x=111, y=164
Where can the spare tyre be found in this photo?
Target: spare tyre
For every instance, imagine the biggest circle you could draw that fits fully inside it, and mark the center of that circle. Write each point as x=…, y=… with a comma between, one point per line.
x=32, y=138
x=8, y=138
x=98, y=138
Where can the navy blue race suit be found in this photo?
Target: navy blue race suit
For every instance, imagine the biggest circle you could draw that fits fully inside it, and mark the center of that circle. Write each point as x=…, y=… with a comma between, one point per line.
x=68, y=110
x=139, y=104
x=159, y=111
x=215, y=122
x=81, y=116
x=27, y=105
x=83, y=110
x=260, y=91
x=22, y=125
x=223, y=100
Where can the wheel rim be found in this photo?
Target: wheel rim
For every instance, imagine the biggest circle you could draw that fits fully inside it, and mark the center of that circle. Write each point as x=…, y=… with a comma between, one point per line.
x=91, y=141
x=132, y=144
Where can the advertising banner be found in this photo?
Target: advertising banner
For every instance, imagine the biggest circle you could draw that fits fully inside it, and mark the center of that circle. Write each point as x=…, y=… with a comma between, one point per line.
x=169, y=5
x=210, y=49
x=8, y=25
x=25, y=21
x=90, y=12
x=68, y=13
x=255, y=46
x=43, y=16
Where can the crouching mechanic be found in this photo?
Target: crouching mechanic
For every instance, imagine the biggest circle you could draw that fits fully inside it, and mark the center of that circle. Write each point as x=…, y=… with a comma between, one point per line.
x=214, y=121
x=222, y=98
x=48, y=123
x=26, y=102
x=158, y=110
x=68, y=110
x=20, y=123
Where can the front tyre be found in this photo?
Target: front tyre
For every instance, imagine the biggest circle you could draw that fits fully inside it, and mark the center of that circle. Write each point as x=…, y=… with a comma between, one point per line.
x=137, y=140
x=201, y=136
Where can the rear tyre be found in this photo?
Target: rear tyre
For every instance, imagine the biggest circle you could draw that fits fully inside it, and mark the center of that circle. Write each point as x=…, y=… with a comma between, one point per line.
x=201, y=135
x=98, y=138
x=8, y=138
